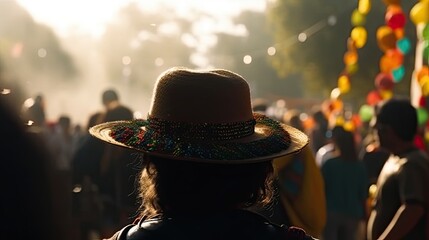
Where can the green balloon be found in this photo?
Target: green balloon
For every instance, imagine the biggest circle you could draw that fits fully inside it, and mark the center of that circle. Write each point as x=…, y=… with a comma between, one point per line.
x=426, y=51
x=357, y=18
x=425, y=33
x=422, y=116
x=366, y=112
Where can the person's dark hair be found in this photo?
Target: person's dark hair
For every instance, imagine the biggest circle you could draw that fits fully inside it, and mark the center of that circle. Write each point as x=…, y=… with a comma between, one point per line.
x=174, y=186
x=109, y=96
x=64, y=121
x=345, y=142
x=401, y=116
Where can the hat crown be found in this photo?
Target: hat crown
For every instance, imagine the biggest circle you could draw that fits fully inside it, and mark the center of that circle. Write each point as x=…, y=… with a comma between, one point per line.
x=213, y=96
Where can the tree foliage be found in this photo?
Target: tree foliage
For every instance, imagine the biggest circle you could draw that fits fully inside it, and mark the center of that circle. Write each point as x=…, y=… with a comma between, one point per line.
x=21, y=39
x=320, y=58
x=231, y=49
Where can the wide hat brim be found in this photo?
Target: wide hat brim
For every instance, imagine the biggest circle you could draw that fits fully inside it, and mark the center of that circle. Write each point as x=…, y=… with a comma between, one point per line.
x=261, y=146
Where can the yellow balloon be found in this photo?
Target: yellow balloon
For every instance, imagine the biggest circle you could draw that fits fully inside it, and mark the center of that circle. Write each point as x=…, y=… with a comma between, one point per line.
x=423, y=80
x=420, y=12
x=349, y=126
x=359, y=35
x=344, y=84
x=339, y=121
x=425, y=88
x=364, y=6
x=386, y=94
x=427, y=135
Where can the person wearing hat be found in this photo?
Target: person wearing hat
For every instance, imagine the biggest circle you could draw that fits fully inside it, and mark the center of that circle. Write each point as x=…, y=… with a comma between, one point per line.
x=206, y=159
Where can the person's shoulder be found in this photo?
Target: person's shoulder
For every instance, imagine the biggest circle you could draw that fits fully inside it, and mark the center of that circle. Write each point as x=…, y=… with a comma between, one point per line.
x=239, y=225
x=417, y=157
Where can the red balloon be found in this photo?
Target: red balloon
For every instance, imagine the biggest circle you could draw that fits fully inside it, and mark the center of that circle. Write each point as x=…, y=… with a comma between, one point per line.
x=384, y=81
x=422, y=101
x=373, y=98
x=395, y=20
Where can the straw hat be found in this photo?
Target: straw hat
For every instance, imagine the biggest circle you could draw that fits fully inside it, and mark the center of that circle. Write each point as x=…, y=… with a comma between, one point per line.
x=203, y=116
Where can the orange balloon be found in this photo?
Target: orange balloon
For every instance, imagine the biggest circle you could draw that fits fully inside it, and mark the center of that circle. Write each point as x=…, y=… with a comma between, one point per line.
x=351, y=45
x=393, y=8
x=399, y=33
x=392, y=2
x=335, y=106
x=386, y=64
x=396, y=57
x=350, y=57
x=424, y=71
x=386, y=38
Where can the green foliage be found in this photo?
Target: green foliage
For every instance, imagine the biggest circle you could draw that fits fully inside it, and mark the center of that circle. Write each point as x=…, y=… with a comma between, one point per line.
x=319, y=60
x=230, y=50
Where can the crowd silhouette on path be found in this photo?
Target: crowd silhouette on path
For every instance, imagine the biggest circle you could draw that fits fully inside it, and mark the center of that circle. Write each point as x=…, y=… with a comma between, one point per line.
x=337, y=187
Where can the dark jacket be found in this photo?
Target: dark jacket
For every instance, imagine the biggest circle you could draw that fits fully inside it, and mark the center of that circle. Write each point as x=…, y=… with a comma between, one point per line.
x=232, y=225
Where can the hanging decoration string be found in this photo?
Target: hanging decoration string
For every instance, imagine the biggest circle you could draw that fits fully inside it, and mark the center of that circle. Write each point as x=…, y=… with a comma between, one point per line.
x=419, y=15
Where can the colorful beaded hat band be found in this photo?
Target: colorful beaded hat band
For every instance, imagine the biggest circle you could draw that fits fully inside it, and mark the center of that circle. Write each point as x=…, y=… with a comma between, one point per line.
x=149, y=136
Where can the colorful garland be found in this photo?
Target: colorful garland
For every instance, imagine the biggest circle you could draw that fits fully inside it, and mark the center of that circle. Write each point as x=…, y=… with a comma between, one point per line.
x=419, y=15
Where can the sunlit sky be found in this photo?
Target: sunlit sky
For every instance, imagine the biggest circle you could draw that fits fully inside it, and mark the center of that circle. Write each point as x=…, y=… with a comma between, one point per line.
x=90, y=16
x=71, y=18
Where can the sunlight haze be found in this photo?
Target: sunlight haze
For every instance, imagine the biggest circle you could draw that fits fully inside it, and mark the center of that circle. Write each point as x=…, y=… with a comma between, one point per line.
x=90, y=16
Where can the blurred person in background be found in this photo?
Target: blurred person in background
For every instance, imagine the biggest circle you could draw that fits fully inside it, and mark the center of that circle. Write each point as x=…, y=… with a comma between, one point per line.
x=317, y=133
x=28, y=197
x=346, y=184
x=87, y=201
x=35, y=111
x=207, y=158
x=117, y=170
x=400, y=208
x=61, y=145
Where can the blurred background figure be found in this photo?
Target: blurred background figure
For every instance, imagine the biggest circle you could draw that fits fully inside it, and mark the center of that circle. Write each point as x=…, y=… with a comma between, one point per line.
x=87, y=201
x=117, y=170
x=114, y=108
x=29, y=197
x=400, y=207
x=346, y=185
x=34, y=110
x=317, y=133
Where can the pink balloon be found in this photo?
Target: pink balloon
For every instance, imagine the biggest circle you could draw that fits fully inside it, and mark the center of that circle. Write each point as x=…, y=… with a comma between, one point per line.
x=384, y=81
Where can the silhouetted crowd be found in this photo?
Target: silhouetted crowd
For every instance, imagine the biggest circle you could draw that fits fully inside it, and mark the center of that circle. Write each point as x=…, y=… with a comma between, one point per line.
x=347, y=183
